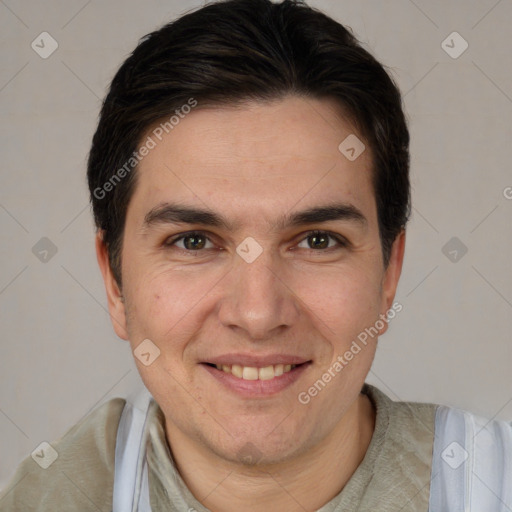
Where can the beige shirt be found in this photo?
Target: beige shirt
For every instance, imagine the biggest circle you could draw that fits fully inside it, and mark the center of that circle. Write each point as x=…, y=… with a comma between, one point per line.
x=394, y=474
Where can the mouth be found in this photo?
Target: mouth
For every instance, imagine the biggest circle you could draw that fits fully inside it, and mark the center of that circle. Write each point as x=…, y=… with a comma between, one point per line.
x=268, y=372
x=250, y=375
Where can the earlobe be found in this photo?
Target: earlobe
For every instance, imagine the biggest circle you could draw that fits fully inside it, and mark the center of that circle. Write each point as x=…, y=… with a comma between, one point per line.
x=115, y=297
x=392, y=274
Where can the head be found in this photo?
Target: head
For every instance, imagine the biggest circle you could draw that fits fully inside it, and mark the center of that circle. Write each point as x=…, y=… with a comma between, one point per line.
x=230, y=122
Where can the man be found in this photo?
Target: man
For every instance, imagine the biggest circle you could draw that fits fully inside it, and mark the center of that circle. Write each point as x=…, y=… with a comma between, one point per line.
x=249, y=181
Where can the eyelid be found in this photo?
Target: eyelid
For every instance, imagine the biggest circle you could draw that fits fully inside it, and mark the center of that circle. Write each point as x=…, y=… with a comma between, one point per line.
x=171, y=241
x=341, y=240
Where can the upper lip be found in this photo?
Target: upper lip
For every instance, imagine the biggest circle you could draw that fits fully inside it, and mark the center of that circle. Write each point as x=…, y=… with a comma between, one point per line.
x=255, y=360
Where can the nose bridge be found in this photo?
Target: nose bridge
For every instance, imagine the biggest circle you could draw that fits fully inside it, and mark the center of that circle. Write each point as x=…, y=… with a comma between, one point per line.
x=256, y=300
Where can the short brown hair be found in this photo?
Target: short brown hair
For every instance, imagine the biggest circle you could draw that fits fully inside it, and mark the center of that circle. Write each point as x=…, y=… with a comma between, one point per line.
x=237, y=50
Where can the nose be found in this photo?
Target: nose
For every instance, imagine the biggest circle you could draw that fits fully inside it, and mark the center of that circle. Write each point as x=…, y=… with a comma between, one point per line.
x=257, y=300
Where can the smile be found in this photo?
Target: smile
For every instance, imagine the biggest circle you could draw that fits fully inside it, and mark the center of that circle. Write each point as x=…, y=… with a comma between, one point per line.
x=256, y=381
x=251, y=375
x=254, y=373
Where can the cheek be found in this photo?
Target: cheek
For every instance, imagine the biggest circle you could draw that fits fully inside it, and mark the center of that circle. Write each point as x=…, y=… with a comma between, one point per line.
x=346, y=300
x=162, y=310
x=166, y=303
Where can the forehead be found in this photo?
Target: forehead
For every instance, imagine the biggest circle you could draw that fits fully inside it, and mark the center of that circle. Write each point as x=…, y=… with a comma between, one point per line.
x=259, y=158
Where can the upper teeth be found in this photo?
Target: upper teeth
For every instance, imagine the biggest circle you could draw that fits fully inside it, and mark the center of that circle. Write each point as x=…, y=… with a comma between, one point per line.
x=253, y=373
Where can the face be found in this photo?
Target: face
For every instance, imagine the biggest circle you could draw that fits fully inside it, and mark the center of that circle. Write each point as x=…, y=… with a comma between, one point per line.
x=252, y=245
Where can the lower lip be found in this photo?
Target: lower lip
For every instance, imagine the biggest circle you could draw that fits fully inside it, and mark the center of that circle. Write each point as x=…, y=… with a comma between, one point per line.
x=256, y=388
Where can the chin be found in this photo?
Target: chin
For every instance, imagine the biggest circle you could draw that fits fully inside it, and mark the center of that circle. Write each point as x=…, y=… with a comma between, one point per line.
x=258, y=450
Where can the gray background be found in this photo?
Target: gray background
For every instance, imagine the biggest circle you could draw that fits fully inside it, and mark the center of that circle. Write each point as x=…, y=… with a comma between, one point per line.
x=451, y=344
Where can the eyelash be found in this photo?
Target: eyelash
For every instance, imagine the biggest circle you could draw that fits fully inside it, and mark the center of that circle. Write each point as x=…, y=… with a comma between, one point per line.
x=342, y=242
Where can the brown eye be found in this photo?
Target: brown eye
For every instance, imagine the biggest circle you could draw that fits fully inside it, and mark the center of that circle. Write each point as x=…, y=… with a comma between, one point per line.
x=193, y=241
x=318, y=240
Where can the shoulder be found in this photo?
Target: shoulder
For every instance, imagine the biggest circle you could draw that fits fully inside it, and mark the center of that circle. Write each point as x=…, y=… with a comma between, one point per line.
x=406, y=418
x=472, y=461
x=74, y=472
x=401, y=470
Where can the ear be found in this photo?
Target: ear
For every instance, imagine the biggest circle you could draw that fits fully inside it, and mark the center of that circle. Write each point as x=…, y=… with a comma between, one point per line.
x=392, y=275
x=115, y=299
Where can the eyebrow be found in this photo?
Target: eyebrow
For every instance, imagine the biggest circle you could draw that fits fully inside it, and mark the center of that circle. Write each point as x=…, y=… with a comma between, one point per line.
x=171, y=213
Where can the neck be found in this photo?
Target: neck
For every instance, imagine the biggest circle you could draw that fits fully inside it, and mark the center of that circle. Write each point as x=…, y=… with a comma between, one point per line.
x=295, y=485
